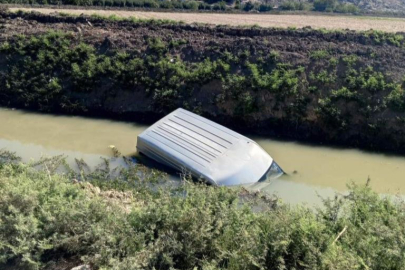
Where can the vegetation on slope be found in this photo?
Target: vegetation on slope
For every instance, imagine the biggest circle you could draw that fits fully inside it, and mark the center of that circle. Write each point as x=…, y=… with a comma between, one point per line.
x=324, y=93
x=130, y=223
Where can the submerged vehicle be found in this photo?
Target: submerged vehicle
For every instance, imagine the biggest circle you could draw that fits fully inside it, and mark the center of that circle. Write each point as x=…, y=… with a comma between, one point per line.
x=190, y=143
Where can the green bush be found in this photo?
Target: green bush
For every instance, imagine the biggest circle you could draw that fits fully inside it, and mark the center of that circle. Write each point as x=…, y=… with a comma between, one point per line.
x=177, y=4
x=78, y=2
x=247, y=103
x=157, y=46
x=150, y=4
x=346, y=8
x=219, y=6
x=46, y=217
x=293, y=5
x=137, y=3
x=288, y=5
x=345, y=94
x=396, y=98
x=320, y=54
x=212, y=1
x=129, y=3
x=192, y=5
x=248, y=6
x=328, y=111
x=119, y=3
x=367, y=79
x=323, y=77
x=99, y=3
x=265, y=7
x=108, y=3
x=325, y=5
x=166, y=4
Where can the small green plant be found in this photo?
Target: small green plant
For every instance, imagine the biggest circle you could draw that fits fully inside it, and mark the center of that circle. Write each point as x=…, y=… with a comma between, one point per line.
x=333, y=61
x=318, y=55
x=157, y=46
x=323, y=77
x=175, y=43
x=396, y=98
x=247, y=103
x=330, y=113
x=344, y=93
x=350, y=60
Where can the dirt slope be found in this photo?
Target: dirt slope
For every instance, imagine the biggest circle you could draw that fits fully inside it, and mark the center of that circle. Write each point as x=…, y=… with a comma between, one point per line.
x=341, y=88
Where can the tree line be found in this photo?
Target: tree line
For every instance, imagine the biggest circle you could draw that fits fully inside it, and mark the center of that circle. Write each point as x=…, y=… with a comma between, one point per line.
x=215, y=5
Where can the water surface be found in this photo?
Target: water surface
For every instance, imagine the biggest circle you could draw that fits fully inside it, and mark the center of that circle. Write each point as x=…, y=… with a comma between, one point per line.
x=312, y=170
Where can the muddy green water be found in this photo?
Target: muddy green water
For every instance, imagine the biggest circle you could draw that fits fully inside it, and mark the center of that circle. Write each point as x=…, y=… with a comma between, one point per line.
x=313, y=171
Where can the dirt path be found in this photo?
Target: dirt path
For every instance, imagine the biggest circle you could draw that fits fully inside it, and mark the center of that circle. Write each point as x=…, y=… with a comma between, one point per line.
x=328, y=22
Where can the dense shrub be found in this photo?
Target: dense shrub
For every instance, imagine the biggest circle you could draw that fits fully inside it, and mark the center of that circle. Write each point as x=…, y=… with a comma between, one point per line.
x=46, y=217
x=248, y=6
x=192, y=5
x=219, y=6
x=396, y=98
x=166, y=4
x=320, y=54
x=264, y=7
x=325, y=5
x=150, y=4
x=204, y=6
x=119, y=3
x=177, y=4
x=100, y=3
x=212, y=1
x=293, y=5
x=346, y=8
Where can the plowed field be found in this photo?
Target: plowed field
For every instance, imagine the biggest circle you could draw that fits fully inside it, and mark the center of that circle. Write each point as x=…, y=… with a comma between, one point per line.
x=264, y=20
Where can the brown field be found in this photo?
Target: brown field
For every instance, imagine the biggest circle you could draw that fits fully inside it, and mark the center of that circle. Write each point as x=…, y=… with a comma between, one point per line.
x=264, y=20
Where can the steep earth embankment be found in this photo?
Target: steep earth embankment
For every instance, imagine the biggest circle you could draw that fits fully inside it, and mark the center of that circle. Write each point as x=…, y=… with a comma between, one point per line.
x=339, y=87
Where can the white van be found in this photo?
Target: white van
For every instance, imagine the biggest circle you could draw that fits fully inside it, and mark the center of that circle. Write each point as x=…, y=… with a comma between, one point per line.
x=188, y=142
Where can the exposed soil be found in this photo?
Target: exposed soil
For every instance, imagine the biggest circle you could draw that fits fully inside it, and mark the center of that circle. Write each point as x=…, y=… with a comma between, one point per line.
x=264, y=20
x=122, y=200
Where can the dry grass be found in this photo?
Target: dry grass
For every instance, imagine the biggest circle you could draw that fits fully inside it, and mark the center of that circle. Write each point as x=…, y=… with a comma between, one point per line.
x=265, y=20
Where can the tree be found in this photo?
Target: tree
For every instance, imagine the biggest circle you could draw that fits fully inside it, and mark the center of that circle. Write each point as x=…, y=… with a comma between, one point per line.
x=265, y=7
x=325, y=5
x=248, y=6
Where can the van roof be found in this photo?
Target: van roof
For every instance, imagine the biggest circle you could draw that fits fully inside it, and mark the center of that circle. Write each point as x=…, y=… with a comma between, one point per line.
x=186, y=141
